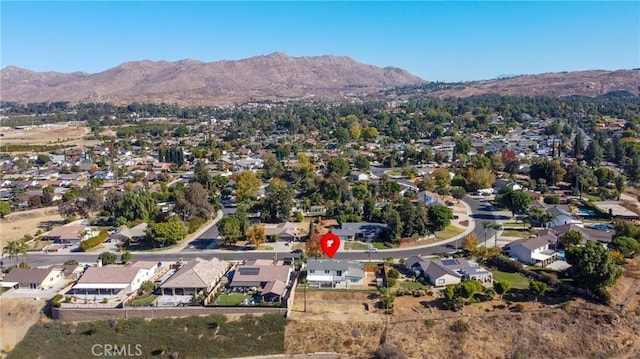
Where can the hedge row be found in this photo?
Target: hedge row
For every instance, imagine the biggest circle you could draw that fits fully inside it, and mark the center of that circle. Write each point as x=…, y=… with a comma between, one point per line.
x=94, y=241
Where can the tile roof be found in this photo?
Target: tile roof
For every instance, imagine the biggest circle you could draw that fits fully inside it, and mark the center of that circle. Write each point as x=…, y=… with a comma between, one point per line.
x=197, y=273
x=28, y=275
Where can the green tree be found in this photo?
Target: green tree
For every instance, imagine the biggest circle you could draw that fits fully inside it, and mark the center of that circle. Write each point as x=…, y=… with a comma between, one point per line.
x=515, y=201
x=71, y=262
x=107, y=258
x=479, y=178
x=439, y=216
x=628, y=246
x=247, y=186
x=167, y=233
x=369, y=133
x=229, y=228
x=458, y=193
x=570, y=238
x=5, y=208
x=591, y=266
x=501, y=287
x=338, y=166
x=125, y=257
x=278, y=201
x=361, y=162
x=442, y=177
x=538, y=288
x=192, y=202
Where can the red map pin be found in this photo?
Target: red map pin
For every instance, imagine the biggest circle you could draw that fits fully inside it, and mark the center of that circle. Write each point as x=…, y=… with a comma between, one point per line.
x=330, y=244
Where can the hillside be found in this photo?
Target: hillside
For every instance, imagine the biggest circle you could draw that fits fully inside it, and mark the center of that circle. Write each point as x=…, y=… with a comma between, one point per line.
x=190, y=82
x=585, y=83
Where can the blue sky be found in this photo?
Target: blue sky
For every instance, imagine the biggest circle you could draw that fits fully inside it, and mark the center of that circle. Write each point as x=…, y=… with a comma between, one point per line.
x=444, y=41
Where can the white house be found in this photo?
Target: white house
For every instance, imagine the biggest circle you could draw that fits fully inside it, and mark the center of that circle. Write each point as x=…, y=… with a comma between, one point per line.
x=562, y=217
x=448, y=271
x=114, y=279
x=334, y=274
x=533, y=250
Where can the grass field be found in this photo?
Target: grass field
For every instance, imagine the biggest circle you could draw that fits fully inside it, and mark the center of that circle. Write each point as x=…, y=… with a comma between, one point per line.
x=449, y=232
x=412, y=285
x=517, y=281
x=515, y=233
x=194, y=337
x=231, y=299
x=355, y=245
x=144, y=301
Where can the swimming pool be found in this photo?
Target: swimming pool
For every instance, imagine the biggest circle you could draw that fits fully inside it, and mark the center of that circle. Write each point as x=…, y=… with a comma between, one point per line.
x=585, y=212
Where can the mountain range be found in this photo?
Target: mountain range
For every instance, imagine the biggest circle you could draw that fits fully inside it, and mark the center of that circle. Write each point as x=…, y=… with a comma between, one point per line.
x=273, y=77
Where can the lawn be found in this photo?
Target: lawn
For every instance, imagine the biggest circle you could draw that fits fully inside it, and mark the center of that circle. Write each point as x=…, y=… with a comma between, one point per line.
x=394, y=173
x=231, y=299
x=517, y=280
x=592, y=198
x=355, y=245
x=144, y=301
x=516, y=233
x=449, y=232
x=264, y=247
x=516, y=225
x=412, y=285
x=379, y=245
x=199, y=337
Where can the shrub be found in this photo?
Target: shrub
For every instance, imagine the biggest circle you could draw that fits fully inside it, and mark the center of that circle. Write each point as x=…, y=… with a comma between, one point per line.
x=459, y=326
x=56, y=300
x=94, y=241
x=393, y=273
x=430, y=323
x=392, y=282
x=195, y=223
x=504, y=263
x=105, y=300
x=68, y=299
x=602, y=295
x=552, y=199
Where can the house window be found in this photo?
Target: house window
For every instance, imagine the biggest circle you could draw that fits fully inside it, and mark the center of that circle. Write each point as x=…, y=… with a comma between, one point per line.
x=327, y=271
x=312, y=271
x=339, y=273
x=440, y=281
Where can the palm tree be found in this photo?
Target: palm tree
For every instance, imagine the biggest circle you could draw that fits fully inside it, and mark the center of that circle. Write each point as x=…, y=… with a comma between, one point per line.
x=11, y=248
x=22, y=248
x=305, y=285
x=486, y=225
x=496, y=228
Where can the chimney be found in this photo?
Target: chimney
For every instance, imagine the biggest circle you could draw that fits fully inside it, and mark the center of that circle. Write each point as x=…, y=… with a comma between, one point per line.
x=99, y=263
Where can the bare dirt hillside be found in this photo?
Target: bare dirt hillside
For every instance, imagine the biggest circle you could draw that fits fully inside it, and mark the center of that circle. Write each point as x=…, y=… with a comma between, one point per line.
x=193, y=82
x=16, y=317
x=585, y=83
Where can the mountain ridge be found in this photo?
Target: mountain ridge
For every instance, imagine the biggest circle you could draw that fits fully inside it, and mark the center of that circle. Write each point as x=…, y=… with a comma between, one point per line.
x=276, y=76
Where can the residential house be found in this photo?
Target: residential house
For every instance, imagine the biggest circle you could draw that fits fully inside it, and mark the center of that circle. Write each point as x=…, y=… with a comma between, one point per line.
x=533, y=250
x=360, y=176
x=262, y=276
x=112, y=279
x=448, y=271
x=562, y=217
x=334, y=274
x=127, y=235
x=287, y=231
x=350, y=231
x=32, y=278
x=198, y=276
x=69, y=234
x=589, y=234
x=316, y=211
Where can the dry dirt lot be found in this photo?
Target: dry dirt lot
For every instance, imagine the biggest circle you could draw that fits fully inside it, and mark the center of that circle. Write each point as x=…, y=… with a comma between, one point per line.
x=16, y=317
x=63, y=134
x=338, y=322
x=16, y=225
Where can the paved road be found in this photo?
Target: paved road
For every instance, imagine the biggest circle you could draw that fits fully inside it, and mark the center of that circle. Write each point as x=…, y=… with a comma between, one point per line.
x=480, y=210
